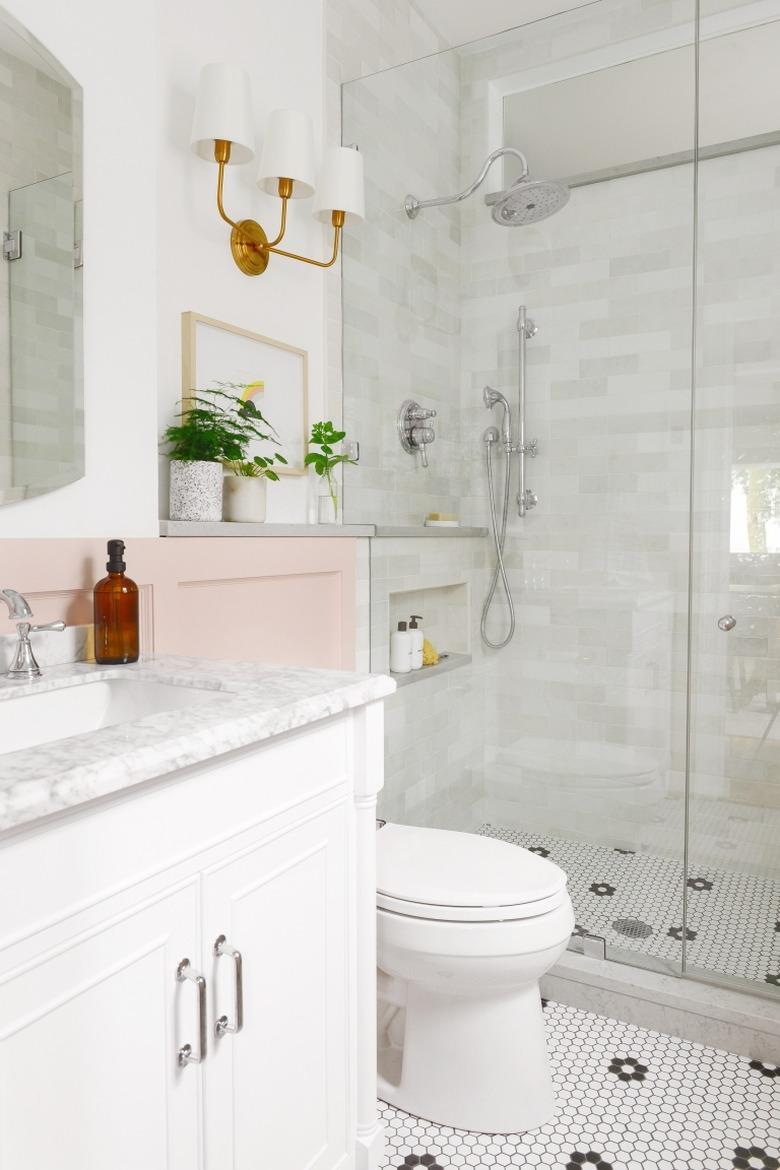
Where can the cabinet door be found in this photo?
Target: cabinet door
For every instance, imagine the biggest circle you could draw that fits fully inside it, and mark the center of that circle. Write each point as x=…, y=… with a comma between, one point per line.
x=89, y=1033
x=277, y=1090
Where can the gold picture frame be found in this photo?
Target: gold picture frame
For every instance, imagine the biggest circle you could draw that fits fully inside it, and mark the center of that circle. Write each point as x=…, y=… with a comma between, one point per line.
x=276, y=373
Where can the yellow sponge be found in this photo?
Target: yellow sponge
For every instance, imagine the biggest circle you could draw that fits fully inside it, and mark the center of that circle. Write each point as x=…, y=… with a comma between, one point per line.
x=430, y=656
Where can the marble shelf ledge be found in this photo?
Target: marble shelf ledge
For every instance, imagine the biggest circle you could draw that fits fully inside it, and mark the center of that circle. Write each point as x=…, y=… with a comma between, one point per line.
x=444, y=666
x=186, y=528
x=227, y=528
x=389, y=531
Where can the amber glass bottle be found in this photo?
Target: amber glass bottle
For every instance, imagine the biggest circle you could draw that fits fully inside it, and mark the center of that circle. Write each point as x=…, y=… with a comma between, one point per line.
x=116, y=611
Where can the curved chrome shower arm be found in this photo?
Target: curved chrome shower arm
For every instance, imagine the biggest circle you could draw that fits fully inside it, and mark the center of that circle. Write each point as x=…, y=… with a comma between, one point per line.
x=413, y=205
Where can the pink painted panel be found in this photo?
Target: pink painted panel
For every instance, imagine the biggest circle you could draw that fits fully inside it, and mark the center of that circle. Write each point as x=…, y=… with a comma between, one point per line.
x=285, y=600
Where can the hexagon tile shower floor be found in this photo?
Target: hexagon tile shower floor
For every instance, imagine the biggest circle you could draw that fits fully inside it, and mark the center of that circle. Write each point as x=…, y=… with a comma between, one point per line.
x=628, y=1099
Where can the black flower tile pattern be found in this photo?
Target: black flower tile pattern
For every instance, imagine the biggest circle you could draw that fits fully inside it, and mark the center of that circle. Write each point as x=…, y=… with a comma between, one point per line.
x=676, y=932
x=602, y=889
x=696, y=1108
x=591, y=1158
x=732, y=924
x=698, y=883
x=754, y=1158
x=766, y=1070
x=540, y=849
x=627, y=1068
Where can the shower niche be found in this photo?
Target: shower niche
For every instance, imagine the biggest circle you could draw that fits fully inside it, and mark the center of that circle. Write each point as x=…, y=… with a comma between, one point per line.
x=445, y=613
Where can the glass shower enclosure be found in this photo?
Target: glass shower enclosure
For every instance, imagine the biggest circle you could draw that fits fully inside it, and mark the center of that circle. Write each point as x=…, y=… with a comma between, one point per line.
x=629, y=730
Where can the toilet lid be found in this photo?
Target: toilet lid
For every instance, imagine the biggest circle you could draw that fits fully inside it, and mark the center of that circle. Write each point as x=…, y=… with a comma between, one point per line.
x=420, y=871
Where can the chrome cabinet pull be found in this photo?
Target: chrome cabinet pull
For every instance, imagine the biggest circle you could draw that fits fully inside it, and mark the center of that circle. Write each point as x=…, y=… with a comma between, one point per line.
x=185, y=971
x=726, y=623
x=223, y=1025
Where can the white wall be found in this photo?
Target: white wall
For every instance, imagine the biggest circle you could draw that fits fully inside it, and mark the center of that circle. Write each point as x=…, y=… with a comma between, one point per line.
x=111, y=51
x=282, y=49
x=154, y=245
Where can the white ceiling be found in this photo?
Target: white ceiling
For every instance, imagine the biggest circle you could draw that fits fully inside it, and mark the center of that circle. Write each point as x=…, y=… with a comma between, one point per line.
x=460, y=21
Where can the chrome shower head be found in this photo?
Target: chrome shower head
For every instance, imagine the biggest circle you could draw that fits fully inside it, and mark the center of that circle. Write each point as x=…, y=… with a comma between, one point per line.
x=528, y=201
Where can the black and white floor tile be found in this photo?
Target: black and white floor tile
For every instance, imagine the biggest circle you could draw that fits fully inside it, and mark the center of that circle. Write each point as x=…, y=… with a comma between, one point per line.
x=634, y=901
x=628, y=1099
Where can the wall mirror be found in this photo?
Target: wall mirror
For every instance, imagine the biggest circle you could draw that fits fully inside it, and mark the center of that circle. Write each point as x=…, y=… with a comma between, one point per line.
x=41, y=383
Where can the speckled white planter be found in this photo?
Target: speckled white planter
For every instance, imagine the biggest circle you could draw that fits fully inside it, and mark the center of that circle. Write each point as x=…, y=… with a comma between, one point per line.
x=196, y=491
x=245, y=498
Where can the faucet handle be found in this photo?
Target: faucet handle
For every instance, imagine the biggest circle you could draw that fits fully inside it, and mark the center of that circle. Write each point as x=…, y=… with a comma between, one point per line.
x=24, y=665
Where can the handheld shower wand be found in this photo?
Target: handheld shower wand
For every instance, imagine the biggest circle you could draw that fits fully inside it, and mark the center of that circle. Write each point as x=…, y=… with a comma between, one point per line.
x=493, y=398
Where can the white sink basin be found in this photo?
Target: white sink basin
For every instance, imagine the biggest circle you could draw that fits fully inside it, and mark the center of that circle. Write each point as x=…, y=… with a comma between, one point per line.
x=33, y=719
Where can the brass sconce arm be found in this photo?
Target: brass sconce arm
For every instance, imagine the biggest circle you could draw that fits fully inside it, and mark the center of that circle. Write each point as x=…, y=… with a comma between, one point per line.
x=249, y=244
x=337, y=219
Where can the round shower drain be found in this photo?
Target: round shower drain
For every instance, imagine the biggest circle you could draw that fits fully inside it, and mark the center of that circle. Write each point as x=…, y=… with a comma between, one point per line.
x=632, y=928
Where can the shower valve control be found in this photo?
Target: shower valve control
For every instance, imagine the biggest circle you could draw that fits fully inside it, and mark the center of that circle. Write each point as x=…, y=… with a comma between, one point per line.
x=413, y=432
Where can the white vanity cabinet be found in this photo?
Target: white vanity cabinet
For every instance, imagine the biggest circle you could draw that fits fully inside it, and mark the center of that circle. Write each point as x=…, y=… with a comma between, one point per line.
x=267, y=849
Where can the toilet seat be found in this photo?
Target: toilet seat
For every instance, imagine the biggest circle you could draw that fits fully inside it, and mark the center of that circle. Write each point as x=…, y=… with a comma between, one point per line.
x=460, y=877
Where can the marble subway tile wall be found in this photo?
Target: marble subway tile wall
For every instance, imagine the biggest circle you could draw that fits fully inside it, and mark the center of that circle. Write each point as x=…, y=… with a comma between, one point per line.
x=362, y=37
x=36, y=146
x=433, y=732
x=401, y=322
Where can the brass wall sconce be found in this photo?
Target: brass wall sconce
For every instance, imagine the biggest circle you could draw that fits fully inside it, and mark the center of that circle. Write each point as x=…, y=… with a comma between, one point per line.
x=223, y=132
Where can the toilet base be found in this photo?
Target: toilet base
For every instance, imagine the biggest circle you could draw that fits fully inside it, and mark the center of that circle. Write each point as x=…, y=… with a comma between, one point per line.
x=477, y=1063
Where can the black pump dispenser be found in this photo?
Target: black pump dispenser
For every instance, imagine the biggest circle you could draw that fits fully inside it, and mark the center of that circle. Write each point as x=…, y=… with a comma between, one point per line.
x=416, y=617
x=116, y=556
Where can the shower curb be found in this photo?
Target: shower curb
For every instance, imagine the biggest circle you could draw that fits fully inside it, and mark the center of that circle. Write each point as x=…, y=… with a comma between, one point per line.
x=689, y=1008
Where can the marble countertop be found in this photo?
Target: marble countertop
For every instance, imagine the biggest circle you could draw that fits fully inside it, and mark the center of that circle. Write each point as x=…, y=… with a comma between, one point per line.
x=267, y=700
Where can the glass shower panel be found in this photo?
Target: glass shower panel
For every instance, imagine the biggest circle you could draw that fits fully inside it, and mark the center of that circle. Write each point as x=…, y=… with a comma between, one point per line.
x=46, y=421
x=733, y=876
x=581, y=720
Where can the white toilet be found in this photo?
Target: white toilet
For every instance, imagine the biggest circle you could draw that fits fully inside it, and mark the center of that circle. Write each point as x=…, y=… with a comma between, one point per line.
x=466, y=928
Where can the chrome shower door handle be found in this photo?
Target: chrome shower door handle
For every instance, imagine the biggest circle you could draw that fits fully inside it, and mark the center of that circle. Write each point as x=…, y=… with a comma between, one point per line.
x=726, y=623
x=185, y=1055
x=223, y=1025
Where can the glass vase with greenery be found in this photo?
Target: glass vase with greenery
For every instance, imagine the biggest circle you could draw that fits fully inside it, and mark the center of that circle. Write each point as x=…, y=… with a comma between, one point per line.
x=326, y=460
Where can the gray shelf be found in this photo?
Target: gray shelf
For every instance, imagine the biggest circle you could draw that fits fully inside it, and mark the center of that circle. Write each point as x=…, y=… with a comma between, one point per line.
x=444, y=666
x=226, y=528
x=389, y=531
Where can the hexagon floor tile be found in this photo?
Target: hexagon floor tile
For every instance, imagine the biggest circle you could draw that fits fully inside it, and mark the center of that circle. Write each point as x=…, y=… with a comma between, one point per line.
x=633, y=900
x=677, y=1106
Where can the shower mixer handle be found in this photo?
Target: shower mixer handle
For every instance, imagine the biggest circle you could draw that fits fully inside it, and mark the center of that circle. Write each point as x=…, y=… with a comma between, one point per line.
x=412, y=434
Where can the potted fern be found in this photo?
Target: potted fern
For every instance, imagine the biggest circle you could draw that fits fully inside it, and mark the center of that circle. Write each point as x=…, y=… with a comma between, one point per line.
x=213, y=432
x=324, y=462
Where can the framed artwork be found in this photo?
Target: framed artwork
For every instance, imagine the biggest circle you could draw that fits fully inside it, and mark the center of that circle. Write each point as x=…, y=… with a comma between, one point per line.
x=276, y=377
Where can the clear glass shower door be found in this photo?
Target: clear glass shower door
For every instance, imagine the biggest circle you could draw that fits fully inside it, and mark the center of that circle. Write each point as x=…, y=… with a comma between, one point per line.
x=732, y=887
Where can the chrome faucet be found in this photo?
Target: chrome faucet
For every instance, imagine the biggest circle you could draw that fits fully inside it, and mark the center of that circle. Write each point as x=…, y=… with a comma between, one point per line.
x=24, y=666
x=18, y=608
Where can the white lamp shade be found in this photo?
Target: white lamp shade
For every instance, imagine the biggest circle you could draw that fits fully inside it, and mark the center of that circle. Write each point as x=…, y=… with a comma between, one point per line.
x=341, y=185
x=223, y=110
x=288, y=153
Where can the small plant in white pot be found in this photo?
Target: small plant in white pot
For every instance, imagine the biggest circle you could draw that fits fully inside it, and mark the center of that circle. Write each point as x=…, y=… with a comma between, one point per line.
x=215, y=428
x=245, y=495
